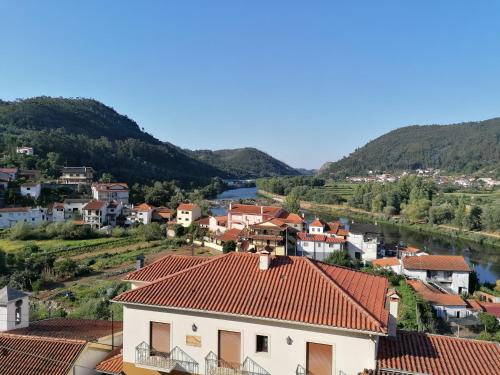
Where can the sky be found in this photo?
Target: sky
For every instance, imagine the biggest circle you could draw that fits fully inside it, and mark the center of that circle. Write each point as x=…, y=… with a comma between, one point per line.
x=305, y=81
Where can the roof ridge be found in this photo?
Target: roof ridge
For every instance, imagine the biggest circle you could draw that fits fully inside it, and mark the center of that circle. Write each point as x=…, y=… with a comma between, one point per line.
x=38, y=337
x=345, y=292
x=184, y=256
x=450, y=337
x=173, y=274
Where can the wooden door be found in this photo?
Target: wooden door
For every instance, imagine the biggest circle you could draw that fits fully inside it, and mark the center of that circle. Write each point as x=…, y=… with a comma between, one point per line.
x=230, y=347
x=319, y=359
x=160, y=337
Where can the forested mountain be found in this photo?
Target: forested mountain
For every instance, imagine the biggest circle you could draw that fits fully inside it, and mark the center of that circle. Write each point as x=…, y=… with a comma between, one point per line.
x=459, y=148
x=245, y=162
x=78, y=131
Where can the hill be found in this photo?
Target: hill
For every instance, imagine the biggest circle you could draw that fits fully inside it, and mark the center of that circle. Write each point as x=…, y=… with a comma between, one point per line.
x=245, y=162
x=458, y=148
x=86, y=132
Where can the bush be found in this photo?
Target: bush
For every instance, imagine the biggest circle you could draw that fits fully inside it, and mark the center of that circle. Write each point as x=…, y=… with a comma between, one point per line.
x=119, y=232
x=153, y=232
x=21, y=231
x=229, y=246
x=339, y=258
x=66, y=268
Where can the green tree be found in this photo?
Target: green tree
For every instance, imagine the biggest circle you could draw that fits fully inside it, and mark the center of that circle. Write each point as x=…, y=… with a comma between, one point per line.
x=489, y=321
x=292, y=202
x=229, y=246
x=106, y=178
x=474, y=218
x=339, y=258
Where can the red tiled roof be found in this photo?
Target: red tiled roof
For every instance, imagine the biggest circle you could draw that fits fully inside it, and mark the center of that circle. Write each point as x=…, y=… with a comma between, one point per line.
x=293, y=219
x=187, y=206
x=164, y=267
x=203, y=221
x=58, y=205
x=422, y=353
x=280, y=223
x=94, y=205
x=9, y=170
x=319, y=238
x=66, y=328
x=436, y=263
x=144, y=207
x=113, y=364
x=14, y=209
x=489, y=307
x=230, y=235
x=317, y=223
x=386, y=262
x=221, y=220
x=33, y=355
x=250, y=209
x=434, y=296
x=411, y=250
x=295, y=289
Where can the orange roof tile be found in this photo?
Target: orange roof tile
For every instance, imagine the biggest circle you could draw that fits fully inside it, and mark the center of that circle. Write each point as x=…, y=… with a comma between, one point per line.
x=318, y=223
x=69, y=328
x=293, y=218
x=319, y=238
x=203, y=221
x=250, y=209
x=230, y=235
x=434, y=296
x=14, y=209
x=144, y=207
x=295, y=289
x=34, y=355
x=436, y=263
x=94, y=205
x=386, y=262
x=187, y=206
x=414, y=352
x=113, y=364
x=164, y=267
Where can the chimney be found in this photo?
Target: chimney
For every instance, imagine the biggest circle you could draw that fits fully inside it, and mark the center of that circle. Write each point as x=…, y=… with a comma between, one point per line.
x=139, y=262
x=393, y=303
x=264, y=260
x=230, y=205
x=262, y=210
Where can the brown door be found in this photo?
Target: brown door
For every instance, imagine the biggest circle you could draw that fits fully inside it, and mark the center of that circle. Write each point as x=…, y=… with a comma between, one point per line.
x=160, y=337
x=319, y=359
x=229, y=347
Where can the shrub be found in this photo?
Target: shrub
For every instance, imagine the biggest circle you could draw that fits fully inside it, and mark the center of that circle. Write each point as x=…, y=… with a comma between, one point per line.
x=229, y=246
x=21, y=231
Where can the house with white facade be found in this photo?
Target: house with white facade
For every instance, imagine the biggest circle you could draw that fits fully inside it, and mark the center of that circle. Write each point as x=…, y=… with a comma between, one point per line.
x=111, y=192
x=25, y=150
x=58, y=213
x=10, y=216
x=188, y=213
x=77, y=175
x=240, y=216
x=392, y=263
x=318, y=246
x=73, y=207
x=11, y=173
x=14, y=309
x=142, y=214
x=243, y=313
x=31, y=189
x=363, y=242
x=98, y=214
x=449, y=272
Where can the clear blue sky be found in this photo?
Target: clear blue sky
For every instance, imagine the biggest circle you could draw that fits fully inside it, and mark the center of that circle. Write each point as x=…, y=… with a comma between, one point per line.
x=306, y=81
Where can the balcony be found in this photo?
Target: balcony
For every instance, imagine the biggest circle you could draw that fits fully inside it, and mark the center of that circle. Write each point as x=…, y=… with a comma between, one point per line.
x=216, y=366
x=166, y=362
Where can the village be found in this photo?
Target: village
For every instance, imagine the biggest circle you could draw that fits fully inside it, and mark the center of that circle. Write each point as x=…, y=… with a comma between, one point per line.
x=274, y=291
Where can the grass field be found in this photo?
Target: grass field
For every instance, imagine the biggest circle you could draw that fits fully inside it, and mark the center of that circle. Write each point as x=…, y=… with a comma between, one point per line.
x=54, y=244
x=481, y=198
x=343, y=189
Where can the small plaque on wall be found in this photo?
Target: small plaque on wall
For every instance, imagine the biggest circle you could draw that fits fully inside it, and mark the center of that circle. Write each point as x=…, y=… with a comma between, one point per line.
x=193, y=341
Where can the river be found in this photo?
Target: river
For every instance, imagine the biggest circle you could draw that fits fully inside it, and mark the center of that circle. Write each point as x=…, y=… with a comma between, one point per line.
x=484, y=259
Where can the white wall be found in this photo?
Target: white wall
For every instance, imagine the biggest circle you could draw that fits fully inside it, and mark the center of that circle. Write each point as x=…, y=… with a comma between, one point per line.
x=8, y=315
x=460, y=280
x=450, y=311
x=31, y=191
x=316, y=250
x=352, y=351
x=367, y=249
x=33, y=216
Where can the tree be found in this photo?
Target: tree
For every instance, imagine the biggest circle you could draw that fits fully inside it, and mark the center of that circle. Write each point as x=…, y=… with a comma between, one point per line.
x=153, y=232
x=339, y=258
x=460, y=213
x=292, y=202
x=229, y=246
x=106, y=178
x=474, y=218
x=490, y=322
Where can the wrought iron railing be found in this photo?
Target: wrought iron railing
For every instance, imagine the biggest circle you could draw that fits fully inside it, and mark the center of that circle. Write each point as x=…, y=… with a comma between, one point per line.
x=167, y=361
x=301, y=370
x=217, y=366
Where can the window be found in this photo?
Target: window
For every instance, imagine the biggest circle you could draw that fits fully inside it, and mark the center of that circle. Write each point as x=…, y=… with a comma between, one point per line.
x=458, y=314
x=330, y=245
x=160, y=337
x=262, y=344
x=305, y=244
x=18, y=311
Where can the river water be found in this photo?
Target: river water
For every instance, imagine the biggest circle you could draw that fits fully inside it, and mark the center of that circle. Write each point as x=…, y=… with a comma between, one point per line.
x=484, y=259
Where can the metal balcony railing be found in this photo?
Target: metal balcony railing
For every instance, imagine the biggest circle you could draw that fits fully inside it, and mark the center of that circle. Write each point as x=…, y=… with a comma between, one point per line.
x=216, y=366
x=147, y=356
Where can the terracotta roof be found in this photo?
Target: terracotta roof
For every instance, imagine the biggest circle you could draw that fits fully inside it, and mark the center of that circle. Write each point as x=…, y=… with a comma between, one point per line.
x=94, y=205
x=250, y=209
x=319, y=238
x=113, y=364
x=15, y=209
x=229, y=235
x=489, y=307
x=203, y=221
x=187, y=206
x=144, y=207
x=434, y=296
x=318, y=223
x=164, y=267
x=295, y=289
x=436, y=263
x=33, y=355
x=411, y=250
x=221, y=220
x=293, y=218
x=474, y=305
x=280, y=223
x=58, y=205
x=115, y=186
x=422, y=353
x=9, y=170
x=66, y=328
x=386, y=262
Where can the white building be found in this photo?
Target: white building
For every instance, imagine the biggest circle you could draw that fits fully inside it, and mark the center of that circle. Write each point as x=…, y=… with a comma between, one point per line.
x=187, y=213
x=77, y=175
x=10, y=216
x=318, y=246
x=10, y=173
x=24, y=150
x=142, y=213
x=31, y=189
x=111, y=192
x=58, y=213
x=14, y=309
x=101, y=213
x=73, y=207
x=363, y=242
x=393, y=264
x=449, y=272
x=241, y=313
x=240, y=216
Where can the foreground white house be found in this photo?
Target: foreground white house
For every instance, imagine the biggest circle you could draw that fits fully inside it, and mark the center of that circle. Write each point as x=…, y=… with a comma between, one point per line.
x=10, y=216
x=187, y=213
x=250, y=313
x=450, y=272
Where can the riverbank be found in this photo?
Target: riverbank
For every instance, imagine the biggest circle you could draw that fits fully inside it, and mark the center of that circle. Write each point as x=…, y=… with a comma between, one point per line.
x=448, y=231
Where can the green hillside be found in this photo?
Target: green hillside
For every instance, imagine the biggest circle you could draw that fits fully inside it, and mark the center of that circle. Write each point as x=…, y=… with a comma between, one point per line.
x=459, y=148
x=73, y=132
